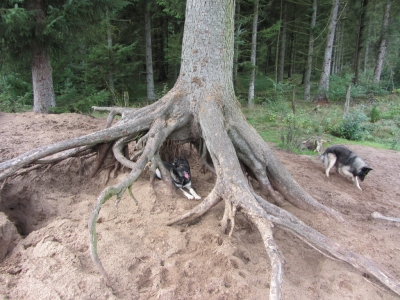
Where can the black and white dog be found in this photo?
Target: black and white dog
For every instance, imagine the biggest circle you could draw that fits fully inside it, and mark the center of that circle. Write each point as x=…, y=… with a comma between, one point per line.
x=346, y=161
x=180, y=174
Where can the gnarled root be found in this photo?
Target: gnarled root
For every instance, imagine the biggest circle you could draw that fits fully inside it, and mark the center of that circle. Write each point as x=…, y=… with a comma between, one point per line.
x=229, y=217
x=265, y=229
x=199, y=210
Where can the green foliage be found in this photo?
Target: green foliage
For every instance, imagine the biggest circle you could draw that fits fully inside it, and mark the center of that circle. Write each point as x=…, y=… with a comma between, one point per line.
x=162, y=92
x=352, y=127
x=74, y=101
x=290, y=134
x=375, y=114
x=15, y=94
x=174, y=8
x=338, y=85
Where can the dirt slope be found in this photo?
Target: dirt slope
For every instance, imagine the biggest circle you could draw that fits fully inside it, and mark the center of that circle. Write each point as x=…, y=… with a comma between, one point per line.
x=148, y=260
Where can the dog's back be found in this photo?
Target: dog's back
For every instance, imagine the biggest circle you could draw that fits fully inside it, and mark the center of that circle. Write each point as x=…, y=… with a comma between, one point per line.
x=346, y=160
x=343, y=155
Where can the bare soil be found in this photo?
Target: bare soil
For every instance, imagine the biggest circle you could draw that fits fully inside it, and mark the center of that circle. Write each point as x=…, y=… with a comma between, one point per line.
x=148, y=260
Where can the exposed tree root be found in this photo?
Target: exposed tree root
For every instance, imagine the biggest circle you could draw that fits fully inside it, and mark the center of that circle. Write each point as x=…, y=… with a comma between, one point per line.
x=265, y=228
x=199, y=210
x=377, y=215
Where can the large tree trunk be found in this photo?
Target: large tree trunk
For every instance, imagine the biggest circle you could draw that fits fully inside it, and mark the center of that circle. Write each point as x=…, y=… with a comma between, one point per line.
x=382, y=43
x=307, y=76
x=149, y=54
x=202, y=109
x=237, y=38
x=323, y=85
x=42, y=79
x=253, y=55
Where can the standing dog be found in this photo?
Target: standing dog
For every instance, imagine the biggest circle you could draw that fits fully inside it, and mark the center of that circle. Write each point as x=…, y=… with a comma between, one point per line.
x=346, y=161
x=180, y=174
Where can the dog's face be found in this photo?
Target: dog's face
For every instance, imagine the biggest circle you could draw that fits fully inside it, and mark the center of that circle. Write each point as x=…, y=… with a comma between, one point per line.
x=181, y=167
x=363, y=172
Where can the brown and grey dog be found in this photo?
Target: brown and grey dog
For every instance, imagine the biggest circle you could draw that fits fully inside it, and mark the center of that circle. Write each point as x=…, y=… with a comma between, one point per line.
x=346, y=161
x=181, y=177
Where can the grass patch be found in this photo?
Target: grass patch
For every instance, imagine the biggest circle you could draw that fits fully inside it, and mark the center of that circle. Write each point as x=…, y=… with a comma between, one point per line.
x=374, y=124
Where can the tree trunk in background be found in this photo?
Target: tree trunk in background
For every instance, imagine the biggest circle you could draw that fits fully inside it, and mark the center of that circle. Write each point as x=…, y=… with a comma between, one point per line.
x=268, y=59
x=291, y=55
x=292, y=52
x=341, y=51
x=160, y=50
x=283, y=44
x=149, y=56
x=335, y=61
x=42, y=78
x=307, y=76
x=253, y=55
x=323, y=85
x=360, y=38
x=110, y=53
x=382, y=44
x=366, y=51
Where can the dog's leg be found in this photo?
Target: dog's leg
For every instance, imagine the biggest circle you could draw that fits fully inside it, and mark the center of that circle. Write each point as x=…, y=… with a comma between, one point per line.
x=190, y=197
x=354, y=178
x=192, y=191
x=356, y=182
x=331, y=163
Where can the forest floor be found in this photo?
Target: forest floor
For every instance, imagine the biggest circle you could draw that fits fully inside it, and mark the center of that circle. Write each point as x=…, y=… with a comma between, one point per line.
x=148, y=260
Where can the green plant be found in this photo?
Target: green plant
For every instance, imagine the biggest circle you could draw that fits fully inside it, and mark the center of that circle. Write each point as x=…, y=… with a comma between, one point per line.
x=352, y=127
x=15, y=94
x=375, y=114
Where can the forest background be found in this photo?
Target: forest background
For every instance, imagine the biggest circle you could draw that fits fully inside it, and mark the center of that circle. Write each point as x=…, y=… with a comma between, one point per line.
x=66, y=56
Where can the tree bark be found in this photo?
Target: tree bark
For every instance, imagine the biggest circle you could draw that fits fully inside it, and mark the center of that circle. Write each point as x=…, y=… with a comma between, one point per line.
x=237, y=38
x=149, y=55
x=253, y=55
x=323, y=85
x=307, y=76
x=42, y=78
x=382, y=43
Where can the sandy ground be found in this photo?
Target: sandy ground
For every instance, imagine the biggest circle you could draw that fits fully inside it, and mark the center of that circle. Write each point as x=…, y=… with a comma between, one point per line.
x=148, y=260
